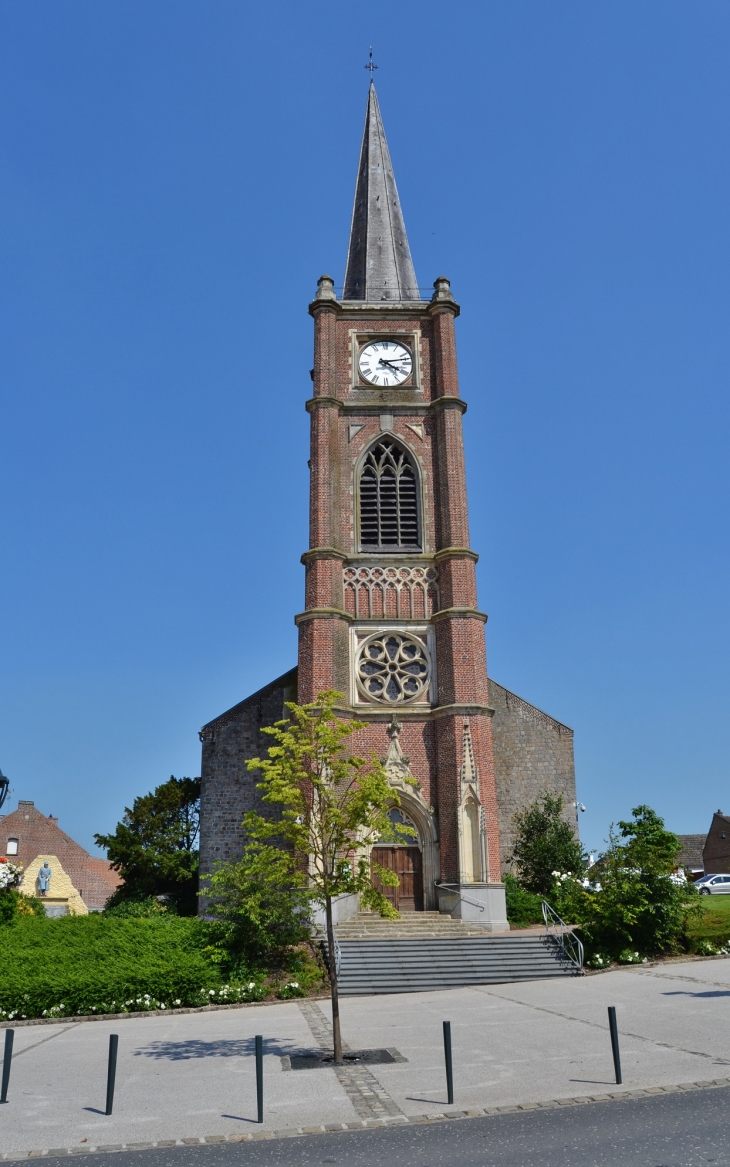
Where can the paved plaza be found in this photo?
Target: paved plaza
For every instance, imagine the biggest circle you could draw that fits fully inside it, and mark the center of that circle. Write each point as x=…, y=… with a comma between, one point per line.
x=192, y=1075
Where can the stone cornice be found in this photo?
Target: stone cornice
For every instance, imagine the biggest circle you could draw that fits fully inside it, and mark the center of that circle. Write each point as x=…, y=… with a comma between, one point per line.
x=323, y=400
x=315, y=553
x=436, y=306
x=323, y=614
x=456, y=553
x=384, y=713
x=365, y=308
x=460, y=614
x=391, y=405
x=448, y=402
x=387, y=559
x=462, y=709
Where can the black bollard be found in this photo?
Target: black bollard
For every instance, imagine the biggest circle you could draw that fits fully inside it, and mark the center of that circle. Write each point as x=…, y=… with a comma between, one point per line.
x=614, y=1042
x=449, y=1064
x=111, y=1071
x=7, y=1058
x=260, y=1077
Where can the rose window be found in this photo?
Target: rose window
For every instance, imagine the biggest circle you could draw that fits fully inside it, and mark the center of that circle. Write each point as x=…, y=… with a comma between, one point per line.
x=393, y=667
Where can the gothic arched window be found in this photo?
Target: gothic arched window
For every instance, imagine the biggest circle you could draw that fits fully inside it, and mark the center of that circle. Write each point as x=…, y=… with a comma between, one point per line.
x=389, y=500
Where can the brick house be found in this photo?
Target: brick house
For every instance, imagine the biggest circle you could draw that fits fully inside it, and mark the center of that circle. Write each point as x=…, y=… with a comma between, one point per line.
x=27, y=835
x=391, y=616
x=716, y=851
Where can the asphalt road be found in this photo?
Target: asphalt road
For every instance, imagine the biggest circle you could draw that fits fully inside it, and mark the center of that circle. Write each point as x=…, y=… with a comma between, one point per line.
x=674, y=1130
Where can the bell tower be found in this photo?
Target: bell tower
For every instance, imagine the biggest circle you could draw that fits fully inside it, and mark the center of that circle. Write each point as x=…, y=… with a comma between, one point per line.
x=391, y=617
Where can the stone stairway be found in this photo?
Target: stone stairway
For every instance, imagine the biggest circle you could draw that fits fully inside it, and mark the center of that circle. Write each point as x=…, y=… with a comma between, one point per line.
x=426, y=950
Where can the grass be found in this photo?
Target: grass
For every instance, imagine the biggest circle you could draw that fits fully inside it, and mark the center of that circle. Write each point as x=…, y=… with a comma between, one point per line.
x=713, y=925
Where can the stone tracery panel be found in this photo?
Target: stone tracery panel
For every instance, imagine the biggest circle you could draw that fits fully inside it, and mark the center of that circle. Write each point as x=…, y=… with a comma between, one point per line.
x=393, y=667
x=403, y=593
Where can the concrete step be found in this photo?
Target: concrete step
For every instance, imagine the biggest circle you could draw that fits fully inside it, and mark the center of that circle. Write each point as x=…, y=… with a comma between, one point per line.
x=416, y=924
x=371, y=965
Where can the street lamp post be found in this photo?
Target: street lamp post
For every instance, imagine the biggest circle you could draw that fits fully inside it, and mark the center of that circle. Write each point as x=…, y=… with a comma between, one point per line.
x=4, y=788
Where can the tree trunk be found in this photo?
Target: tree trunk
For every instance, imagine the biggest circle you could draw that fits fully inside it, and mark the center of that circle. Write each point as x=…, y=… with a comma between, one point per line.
x=337, y=1036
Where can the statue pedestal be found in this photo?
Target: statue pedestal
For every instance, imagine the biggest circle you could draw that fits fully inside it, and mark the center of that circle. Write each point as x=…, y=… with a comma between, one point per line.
x=54, y=907
x=483, y=904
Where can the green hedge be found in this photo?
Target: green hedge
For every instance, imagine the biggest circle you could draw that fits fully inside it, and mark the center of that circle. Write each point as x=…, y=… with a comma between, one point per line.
x=523, y=907
x=97, y=964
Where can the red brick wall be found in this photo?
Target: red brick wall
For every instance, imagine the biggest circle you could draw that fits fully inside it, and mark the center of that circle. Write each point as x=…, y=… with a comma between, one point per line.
x=432, y=736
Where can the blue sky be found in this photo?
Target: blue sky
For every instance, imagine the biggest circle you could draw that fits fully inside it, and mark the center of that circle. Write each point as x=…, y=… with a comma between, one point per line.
x=176, y=176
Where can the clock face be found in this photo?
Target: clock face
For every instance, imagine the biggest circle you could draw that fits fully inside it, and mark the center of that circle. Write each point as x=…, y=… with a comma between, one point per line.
x=385, y=363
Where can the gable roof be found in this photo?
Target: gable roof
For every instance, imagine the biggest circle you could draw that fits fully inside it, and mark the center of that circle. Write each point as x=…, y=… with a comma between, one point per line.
x=690, y=854
x=38, y=833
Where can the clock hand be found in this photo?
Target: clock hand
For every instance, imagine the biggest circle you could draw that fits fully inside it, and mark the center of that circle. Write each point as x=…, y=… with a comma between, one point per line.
x=391, y=364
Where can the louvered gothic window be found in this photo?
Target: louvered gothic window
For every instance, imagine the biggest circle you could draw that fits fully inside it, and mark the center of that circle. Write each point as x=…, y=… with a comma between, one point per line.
x=389, y=500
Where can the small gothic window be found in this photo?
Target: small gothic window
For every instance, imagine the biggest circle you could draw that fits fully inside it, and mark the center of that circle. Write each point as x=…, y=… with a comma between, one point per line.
x=12, y=846
x=389, y=500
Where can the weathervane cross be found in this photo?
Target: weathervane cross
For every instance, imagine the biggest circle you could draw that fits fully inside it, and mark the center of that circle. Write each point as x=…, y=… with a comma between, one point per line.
x=370, y=64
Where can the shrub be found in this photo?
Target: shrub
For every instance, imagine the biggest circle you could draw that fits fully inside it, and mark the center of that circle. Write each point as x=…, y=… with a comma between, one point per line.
x=632, y=908
x=545, y=843
x=291, y=989
x=96, y=964
x=523, y=907
x=147, y=908
x=13, y=905
x=256, y=916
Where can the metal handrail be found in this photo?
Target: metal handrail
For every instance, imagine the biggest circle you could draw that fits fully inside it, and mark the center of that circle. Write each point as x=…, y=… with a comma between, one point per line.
x=338, y=951
x=563, y=937
x=474, y=903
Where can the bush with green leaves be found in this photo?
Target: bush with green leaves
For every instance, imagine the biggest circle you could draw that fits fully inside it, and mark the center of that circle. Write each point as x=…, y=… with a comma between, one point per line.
x=523, y=907
x=14, y=905
x=632, y=908
x=96, y=964
x=256, y=915
x=145, y=908
x=545, y=843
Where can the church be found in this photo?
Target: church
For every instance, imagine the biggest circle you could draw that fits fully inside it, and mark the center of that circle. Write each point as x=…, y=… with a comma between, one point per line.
x=391, y=617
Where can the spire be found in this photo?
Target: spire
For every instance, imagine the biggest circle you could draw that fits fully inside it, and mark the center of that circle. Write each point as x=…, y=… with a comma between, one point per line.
x=379, y=264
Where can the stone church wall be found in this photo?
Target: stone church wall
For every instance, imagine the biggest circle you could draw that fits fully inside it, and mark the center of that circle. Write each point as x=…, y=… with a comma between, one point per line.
x=228, y=789
x=532, y=752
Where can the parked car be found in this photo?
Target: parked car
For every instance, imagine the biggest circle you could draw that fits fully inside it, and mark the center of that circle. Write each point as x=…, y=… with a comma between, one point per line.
x=713, y=885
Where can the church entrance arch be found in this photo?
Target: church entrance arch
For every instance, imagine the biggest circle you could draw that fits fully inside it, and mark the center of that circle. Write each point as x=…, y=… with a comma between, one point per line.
x=406, y=860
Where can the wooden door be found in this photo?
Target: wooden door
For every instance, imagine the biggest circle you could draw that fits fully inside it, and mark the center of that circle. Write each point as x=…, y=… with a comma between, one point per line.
x=406, y=862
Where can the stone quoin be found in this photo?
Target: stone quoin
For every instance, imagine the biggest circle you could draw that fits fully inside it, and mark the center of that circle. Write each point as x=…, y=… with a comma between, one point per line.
x=391, y=617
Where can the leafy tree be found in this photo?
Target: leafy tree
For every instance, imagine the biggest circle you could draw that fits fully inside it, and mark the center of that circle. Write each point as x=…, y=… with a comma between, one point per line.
x=545, y=843
x=631, y=902
x=329, y=805
x=258, y=906
x=154, y=847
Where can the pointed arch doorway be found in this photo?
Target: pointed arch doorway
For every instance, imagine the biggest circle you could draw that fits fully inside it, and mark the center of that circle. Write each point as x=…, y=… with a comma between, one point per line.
x=406, y=860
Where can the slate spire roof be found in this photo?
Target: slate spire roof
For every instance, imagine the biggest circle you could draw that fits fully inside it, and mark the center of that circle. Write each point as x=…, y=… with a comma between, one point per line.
x=379, y=264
